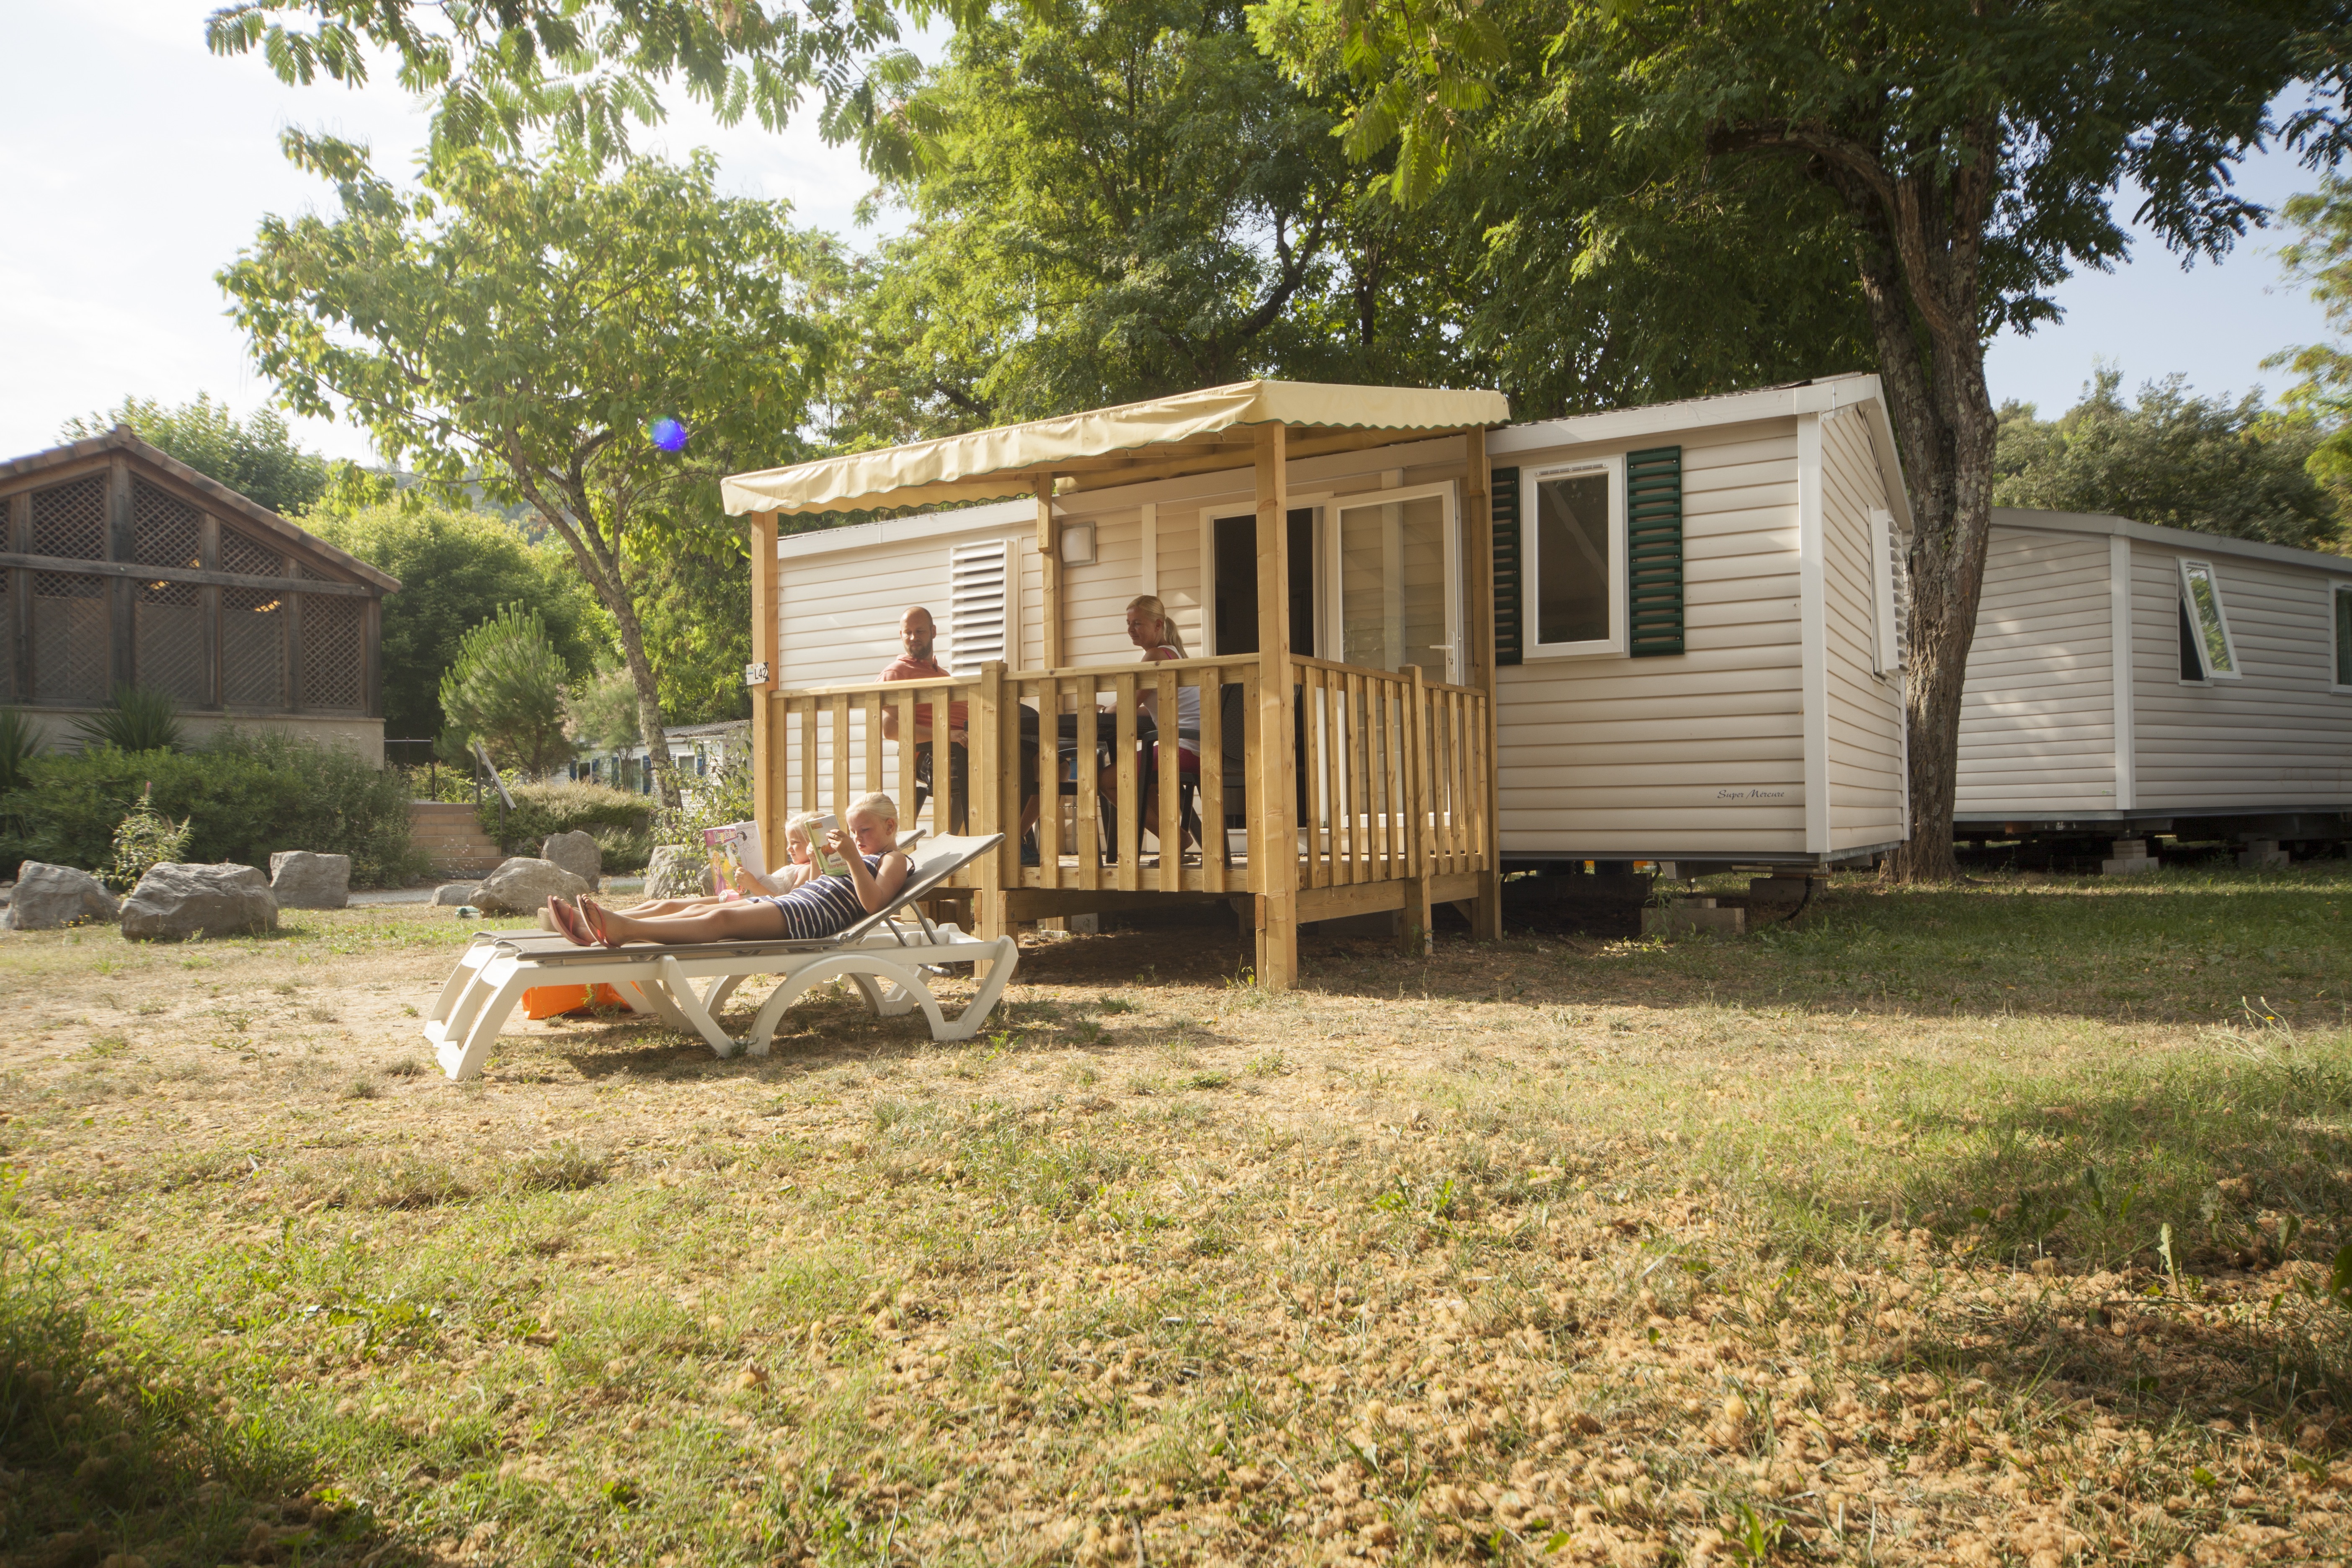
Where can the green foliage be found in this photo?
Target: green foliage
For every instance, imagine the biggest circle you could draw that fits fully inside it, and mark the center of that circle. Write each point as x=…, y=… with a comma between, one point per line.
x=455, y=569
x=519, y=325
x=142, y=841
x=602, y=710
x=506, y=690
x=2170, y=458
x=137, y=719
x=696, y=604
x=494, y=74
x=20, y=742
x=2321, y=255
x=243, y=795
x=256, y=456
x=1109, y=202
x=543, y=810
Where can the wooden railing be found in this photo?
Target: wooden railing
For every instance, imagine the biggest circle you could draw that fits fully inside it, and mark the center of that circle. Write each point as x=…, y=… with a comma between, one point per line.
x=1391, y=771
x=1379, y=752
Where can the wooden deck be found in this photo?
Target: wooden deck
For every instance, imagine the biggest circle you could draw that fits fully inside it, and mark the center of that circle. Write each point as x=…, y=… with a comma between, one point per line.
x=1385, y=773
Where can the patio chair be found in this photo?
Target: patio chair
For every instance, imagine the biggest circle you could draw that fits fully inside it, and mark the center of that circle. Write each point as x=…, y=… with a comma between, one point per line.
x=884, y=959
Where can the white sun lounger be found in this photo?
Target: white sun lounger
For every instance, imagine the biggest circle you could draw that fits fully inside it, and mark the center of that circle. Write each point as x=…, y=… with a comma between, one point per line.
x=880, y=955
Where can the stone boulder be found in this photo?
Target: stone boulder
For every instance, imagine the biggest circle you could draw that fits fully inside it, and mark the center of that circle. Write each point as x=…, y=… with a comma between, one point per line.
x=678, y=871
x=174, y=902
x=449, y=895
x=302, y=880
x=578, y=853
x=48, y=896
x=524, y=885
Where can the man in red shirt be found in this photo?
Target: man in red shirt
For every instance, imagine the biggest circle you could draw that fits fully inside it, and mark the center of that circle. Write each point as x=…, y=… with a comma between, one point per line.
x=918, y=633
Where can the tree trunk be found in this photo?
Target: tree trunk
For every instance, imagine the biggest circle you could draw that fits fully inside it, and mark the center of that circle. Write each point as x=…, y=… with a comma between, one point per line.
x=602, y=567
x=1931, y=362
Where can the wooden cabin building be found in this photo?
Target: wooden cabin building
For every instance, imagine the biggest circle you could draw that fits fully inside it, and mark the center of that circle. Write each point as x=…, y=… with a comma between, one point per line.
x=1425, y=645
x=123, y=566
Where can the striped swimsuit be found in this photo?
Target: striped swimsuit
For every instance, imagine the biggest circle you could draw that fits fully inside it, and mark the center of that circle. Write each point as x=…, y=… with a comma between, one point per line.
x=824, y=906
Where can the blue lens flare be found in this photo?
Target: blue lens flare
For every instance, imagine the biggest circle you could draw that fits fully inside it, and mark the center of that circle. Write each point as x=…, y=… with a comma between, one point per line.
x=666, y=434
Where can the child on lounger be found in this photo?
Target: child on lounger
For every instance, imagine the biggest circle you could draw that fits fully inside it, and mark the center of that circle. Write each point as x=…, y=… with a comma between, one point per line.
x=821, y=906
x=799, y=868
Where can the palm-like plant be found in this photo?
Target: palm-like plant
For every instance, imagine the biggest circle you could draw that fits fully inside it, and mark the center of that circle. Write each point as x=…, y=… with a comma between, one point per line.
x=138, y=719
x=19, y=743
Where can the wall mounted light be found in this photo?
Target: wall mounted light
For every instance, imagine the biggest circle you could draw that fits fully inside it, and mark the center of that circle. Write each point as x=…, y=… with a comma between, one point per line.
x=1077, y=544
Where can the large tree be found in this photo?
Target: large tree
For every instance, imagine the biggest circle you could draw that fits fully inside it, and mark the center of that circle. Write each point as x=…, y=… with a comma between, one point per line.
x=1975, y=152
x=523, y=326
x=1108, y=202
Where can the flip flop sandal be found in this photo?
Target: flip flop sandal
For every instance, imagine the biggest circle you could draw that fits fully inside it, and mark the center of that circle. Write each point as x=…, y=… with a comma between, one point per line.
x=567, y=921
x=593, y=917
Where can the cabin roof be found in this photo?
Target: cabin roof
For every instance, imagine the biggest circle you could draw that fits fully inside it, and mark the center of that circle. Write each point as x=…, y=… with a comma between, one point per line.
x=1194, y=432
x=2107, y=524
x=225, y=500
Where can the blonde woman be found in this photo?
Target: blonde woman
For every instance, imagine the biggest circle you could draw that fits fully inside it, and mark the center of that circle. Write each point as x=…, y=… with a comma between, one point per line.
x=1149, y=629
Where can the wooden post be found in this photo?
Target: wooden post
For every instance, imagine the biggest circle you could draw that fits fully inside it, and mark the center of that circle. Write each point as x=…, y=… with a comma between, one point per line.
x=1049, y=573
x=1274, y=846
x=767, y=731
x=991, y=737
x=1478, y=543
x=1413, y=922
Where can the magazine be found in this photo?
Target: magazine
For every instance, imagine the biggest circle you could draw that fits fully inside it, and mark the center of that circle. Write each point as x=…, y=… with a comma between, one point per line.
x=733, y=849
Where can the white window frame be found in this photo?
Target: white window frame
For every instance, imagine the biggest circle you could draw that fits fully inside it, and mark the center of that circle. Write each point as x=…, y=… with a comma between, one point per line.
x=1531, y=565
x=2188, y=568
x=1886, y=602
x=2337, y=591
x=1332, y=611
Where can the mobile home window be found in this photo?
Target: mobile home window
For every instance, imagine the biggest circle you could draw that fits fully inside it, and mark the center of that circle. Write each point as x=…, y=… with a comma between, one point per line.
x=1578, y=573
x=1396, y=581
x=2205, y=627
x=2340, y=599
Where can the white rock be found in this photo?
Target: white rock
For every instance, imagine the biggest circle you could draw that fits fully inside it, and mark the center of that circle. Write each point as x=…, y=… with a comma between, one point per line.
x=304, y=880
x=678, y=871
x=524, y=885
x=174, y=902
x=48, y=896
x=578, y=853
x=454, y=893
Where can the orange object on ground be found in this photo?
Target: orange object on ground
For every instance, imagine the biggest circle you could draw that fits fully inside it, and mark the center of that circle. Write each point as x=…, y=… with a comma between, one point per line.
x=555, y=1001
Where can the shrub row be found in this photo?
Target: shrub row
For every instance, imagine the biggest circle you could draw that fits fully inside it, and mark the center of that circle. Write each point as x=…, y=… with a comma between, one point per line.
x=243, y=795
x=615, y=818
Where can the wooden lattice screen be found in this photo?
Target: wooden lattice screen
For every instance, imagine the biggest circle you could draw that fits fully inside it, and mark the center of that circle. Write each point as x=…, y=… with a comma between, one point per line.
x=71, y=629
x=253, y=647
x=168, y=642
x=164, y=530
x=238, y=553
x=7, y=637
x=69, y=521
x=331, y=651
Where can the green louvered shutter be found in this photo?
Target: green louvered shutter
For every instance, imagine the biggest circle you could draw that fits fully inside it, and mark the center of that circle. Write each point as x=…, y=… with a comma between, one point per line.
x=1653, y=551
x=1503, y=493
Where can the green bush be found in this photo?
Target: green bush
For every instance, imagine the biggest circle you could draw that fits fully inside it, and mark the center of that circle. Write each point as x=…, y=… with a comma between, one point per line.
x=244, y=796
x=542, y=810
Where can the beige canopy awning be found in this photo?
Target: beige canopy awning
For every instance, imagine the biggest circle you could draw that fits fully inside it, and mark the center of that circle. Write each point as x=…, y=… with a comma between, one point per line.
x=1197, y=432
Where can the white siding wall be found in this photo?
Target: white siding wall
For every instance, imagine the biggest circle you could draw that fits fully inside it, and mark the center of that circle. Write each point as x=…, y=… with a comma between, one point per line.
x=1095, y=598
x=2276, y=738
x=1691, y=756
x=1865, y=709
x=2037, y=713
x=1179, y=573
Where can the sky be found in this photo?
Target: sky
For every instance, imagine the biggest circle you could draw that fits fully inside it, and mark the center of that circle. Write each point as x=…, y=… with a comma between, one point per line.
x=133, y=164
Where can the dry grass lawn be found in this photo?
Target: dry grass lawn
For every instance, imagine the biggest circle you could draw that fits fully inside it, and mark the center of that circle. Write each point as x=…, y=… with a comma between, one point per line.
x=1976, y=1226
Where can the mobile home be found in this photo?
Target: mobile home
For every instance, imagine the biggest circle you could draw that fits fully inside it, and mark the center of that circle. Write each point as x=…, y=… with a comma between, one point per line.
x=2127, y=680
x=1662, y=634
